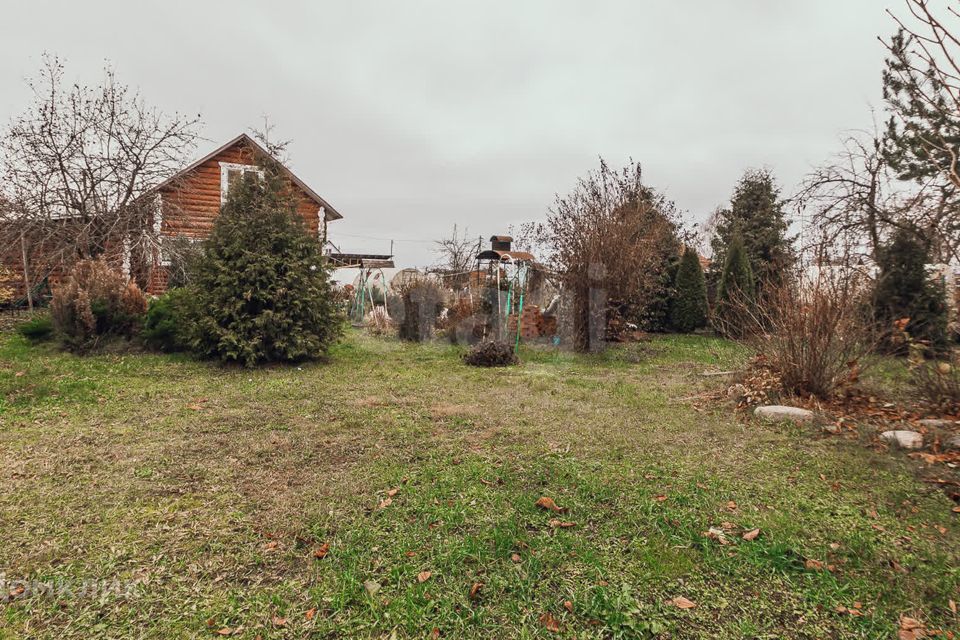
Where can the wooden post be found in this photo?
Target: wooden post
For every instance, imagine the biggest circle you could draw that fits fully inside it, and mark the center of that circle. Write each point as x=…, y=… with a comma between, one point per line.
x=26, y=273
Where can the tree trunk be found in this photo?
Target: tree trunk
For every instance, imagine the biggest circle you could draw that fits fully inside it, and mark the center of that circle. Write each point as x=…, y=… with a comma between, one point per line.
x=26, y=272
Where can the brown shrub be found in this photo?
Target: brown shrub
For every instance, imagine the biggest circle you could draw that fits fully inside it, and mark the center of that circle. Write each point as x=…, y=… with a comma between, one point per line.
x=93, y=302
x=937, y=381
x=813, y=335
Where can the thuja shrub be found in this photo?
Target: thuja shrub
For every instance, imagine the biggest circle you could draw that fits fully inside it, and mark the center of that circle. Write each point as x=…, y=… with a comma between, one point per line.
x=95, y=302
x=167, y=323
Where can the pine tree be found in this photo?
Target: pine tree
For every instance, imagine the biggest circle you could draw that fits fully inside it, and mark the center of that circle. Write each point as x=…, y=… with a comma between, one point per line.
x=757, y=215
x=689, y=309
x=736, y=291
x=904, y=290
x=262, y=288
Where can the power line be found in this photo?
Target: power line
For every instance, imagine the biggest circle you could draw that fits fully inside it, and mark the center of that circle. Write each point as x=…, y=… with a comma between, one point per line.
x=353, y=235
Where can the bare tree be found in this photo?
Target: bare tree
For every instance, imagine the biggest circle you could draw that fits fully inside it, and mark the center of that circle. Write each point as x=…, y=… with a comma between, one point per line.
x=455, y=257
x=75, y=165
x=852, y=201
x=608, y=241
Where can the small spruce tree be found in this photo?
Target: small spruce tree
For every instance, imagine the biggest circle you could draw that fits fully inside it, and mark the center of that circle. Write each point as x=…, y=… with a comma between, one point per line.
x=736, y=291
x=689, y=309
x=905, y=290
x=262, y=288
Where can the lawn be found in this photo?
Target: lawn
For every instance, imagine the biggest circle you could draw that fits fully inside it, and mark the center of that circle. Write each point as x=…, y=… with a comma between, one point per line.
x=195, y=500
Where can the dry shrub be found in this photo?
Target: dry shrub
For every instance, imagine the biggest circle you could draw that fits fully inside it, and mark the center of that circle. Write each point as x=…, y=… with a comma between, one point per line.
x=937, y=381
x=814, y=335
x=95, y=302
x=378, y=322
x=416, y=308
x=465, y=323
x=491, y=353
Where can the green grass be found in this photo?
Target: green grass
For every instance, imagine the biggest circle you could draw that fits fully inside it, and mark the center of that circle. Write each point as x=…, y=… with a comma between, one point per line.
x=210, y=489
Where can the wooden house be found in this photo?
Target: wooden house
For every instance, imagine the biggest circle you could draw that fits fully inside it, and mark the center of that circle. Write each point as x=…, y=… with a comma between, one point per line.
x=188, y=202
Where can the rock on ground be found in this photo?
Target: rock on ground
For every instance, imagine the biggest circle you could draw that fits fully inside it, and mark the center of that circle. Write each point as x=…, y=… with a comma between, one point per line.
x=779, y=413
x=936, y=423
x=903, y=438
x=953, y=443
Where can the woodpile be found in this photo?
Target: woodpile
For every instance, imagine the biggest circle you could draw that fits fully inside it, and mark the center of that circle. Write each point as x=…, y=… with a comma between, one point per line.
x=533, y=324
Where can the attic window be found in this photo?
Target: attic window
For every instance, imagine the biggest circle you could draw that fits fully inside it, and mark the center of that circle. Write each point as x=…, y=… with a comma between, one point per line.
x=230, y=173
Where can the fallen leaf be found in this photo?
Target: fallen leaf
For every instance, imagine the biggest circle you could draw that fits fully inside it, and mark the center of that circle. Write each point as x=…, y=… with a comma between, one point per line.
x=717, y=534
x=660, y=498
x=226, y=631
x=752, y=534
x=393, y=492
x=953, y=606
x=682, y=603
x=547, y=503
x=551, y=623
x=732, y=505
x=19, y=374
x=423, y=576
x=322, y=551
x=560, y=524
x=386, y=502
x=410, y=554
x=956, y=509
x=372, y=587
x=475, y=590
x=310, y=614
x=568, y=605
x=194, y=407
x=279, y=622
x=270, y=546
x=435, y=633
x=813, y=565
x=516, y=557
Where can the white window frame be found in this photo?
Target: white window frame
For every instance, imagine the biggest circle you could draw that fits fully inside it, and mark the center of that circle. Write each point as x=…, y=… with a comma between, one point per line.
x=226, y=167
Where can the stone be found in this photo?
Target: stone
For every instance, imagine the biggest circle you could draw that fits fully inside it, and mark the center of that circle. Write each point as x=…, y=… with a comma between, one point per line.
x=936, y=423
x=903, y=438
x=779, y=413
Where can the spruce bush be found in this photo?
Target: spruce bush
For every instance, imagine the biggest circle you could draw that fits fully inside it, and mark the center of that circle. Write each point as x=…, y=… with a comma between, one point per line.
x=261, y=289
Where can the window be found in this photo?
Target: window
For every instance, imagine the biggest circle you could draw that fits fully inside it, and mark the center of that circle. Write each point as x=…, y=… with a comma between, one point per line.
x=230, y=173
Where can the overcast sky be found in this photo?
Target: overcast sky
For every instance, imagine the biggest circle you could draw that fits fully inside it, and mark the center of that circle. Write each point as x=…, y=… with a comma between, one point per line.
x=410, y=116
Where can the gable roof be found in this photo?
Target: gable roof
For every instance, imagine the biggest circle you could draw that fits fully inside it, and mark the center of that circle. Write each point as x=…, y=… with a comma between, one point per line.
x=329, y=212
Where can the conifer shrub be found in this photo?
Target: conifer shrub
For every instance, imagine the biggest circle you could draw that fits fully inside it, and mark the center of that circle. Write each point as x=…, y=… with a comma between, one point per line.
x=735, y=292
x=37, y=329
x=689, y=309
x=261, y=289
x=95, y=302
x=166, y=326
x=905, y=290
x=491, y=353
